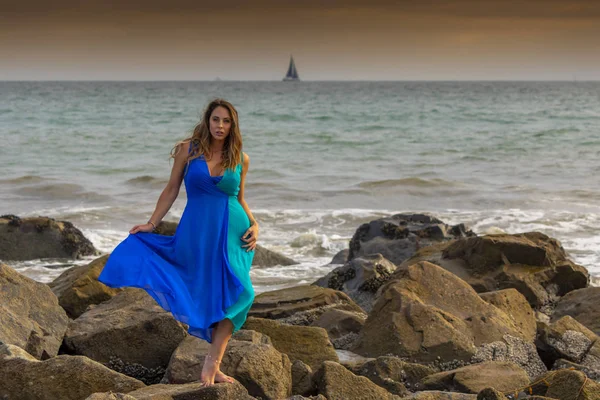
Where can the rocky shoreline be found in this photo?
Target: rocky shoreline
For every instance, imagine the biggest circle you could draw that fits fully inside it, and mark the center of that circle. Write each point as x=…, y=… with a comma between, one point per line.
x=413, y=309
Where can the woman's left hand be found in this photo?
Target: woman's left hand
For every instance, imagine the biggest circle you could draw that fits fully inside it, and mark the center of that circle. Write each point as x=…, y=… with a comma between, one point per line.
x=250, y=237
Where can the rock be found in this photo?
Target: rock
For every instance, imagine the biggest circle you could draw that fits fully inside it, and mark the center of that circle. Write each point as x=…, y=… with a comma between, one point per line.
x=503, y=376
x=490, y=394
x=515, y=350
x=41, y=237
x=30, y=316
x=337, y=383
x=131, y=326
x=581, y=304
x=341, y=257
x=62, y=377
x=300, y=305
x=249, y=358
x=571, y=385
x=298, y=397
x=77, y=288
x=399, y=236
x=566, y=364
x=533, y=263
x=195, y=391
x=360, y=278
x=340, y=323
x=308, y=344
x=565, y=338
x=302, y=383
x=515, y=305
x=262, y=257
x=425, y=313
x=394, y=375
x=110, y=396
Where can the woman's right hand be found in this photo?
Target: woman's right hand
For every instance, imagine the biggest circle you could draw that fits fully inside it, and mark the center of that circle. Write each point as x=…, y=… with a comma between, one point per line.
x=142, y=228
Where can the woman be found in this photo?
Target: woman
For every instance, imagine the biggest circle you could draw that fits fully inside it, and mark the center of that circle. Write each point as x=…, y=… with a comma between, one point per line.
x=202, y=273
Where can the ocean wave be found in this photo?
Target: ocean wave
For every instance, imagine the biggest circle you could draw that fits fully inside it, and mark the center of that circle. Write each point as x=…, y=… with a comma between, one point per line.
x=147, y=181
x=412, y=181
x=26, y=179
x=61, y=191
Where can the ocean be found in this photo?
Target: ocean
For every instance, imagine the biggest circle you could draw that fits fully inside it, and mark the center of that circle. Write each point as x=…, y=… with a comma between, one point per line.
x=325, y=158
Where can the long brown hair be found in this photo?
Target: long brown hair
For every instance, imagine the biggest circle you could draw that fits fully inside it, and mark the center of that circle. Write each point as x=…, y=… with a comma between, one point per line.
x=201, y=137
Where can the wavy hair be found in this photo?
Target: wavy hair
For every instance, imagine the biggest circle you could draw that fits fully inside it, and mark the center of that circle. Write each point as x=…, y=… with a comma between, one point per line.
x=201, y=138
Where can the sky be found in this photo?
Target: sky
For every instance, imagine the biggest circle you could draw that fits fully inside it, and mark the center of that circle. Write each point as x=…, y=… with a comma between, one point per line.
x=330, y=40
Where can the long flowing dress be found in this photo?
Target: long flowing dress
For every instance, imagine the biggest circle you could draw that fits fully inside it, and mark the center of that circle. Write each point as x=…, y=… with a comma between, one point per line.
x=202, y=273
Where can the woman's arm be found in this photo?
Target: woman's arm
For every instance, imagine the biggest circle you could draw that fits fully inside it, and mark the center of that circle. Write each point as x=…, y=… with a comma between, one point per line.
x=251, y=234
x=169, y=193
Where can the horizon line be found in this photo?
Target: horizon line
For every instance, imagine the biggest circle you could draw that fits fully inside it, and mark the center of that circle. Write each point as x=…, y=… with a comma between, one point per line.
x=296, y=82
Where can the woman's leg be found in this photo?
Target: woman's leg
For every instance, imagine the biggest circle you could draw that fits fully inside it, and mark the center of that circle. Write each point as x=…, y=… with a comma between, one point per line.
x=211, y=372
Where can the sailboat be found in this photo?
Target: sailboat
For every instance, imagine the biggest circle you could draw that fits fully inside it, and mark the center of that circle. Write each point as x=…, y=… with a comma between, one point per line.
x=292, y=73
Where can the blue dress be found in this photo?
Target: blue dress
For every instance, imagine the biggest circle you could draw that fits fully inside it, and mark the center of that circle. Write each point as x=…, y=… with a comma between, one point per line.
x=201, y=274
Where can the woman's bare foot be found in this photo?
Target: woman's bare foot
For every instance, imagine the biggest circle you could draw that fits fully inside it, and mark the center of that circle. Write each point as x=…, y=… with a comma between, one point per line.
x=209, y=371
x=221, y=377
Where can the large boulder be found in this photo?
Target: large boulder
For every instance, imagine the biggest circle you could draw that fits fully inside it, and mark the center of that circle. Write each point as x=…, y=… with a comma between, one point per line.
x=337, y=383
x=398, y=237
x=131, y=326
x=263, y=257
x=393, y=374
x=195, y=391
x=503, y=376
x=62, y=377
x=308, y=344
x=249, y=358
x=300, y=305
x=30, y=316
x=426, y=313
x=360, y=278
x=41, y=237
x=581, y=304
x=78, y=287
x=533, y=263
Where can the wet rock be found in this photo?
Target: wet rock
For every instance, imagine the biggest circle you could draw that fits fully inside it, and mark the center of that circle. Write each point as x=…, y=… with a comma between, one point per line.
x=533, y=263
x=341, y=257
x=300, y=305
x=360, y=278
x=110, y=396
x=425, y=313
x=41, y=237
x=78, y=287
x=131, y=326
x=62, y=377
x=581, y=304
x=398, y=237
x=308, y=344
x=30, y=316
x=503, y=376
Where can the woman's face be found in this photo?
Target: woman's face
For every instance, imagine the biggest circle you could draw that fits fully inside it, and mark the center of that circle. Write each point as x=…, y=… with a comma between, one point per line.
x=220, y=123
